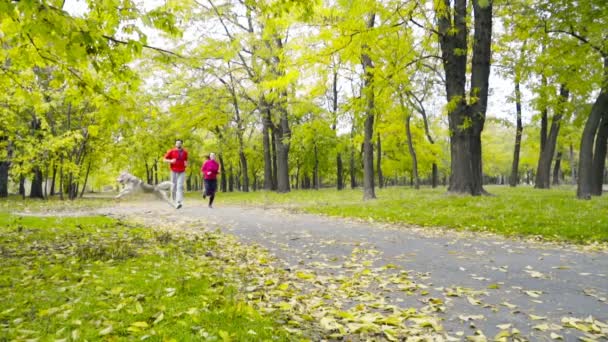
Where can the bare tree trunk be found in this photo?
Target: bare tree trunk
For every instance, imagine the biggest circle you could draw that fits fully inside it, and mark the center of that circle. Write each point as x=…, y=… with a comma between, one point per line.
x=379, y=162
x=268, y=160
x=353, y=175
x=86, y=178
x=585, y=166
x=557, y=169
x=543, y=171
x=368, y=147
x=316, y=178
x=572, y=166
x=466, y=121
x=410, y=145
x=514, y=179
x=36, y=186
x=599, y=157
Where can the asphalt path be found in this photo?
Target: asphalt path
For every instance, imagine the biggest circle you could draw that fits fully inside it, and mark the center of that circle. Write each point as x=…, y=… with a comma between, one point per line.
x=485, y=282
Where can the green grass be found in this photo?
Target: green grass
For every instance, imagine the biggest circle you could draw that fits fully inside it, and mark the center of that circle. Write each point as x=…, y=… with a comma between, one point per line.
x=553, y=214
x=92, y=278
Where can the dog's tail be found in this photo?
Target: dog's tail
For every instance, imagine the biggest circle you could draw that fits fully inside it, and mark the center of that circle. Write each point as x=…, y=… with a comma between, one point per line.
x=165, y=186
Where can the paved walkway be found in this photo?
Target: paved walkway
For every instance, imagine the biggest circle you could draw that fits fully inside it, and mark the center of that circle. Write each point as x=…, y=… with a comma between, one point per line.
x=482, y=281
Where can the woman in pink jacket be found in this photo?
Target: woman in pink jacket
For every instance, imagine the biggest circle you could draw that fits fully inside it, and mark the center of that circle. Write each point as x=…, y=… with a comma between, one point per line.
x=210, y=170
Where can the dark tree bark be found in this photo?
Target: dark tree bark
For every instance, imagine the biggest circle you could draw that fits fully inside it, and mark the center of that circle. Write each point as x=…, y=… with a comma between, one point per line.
x=379, y=162
x=86, y=178
x=53, y=179
x=268, y=160
x=223, y=176
x=598, y=165
x=410, y=145
x=245, y=171
x=419, y=106
x=543, y=172
x=514, y=179
x=544, y=119
x=316, y=177
x=368, y=147
x=22, y=186
x=353, y=175
x=274, y=158
x=572, y=166
x=283, y=134
x=37, y=180
x=466, y=120
x=557, y=169
x=4, y=167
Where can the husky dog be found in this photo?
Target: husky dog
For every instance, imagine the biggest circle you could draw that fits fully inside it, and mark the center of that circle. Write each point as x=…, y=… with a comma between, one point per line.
x=133, y=184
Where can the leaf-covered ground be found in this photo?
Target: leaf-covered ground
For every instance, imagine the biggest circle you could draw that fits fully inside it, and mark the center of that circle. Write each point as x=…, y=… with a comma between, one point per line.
x=92, y=278
x=339, y=279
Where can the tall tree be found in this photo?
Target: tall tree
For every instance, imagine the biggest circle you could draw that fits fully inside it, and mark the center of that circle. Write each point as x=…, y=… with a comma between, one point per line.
x=466, y=113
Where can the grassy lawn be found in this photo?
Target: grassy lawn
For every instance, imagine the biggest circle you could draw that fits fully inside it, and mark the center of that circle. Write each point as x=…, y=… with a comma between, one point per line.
x=92, y=278
x=554, y=214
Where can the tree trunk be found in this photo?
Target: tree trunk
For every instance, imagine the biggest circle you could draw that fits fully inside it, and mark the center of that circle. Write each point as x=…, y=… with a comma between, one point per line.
x=585, y=164
x=353, y=175
x=379, y=162
x=282, y=135
x=599, y=157
x=514, y=179
x=543, y=171
x=316, y=178
x=368, y=147
x=435, y=176
x=339, y=172
x=54, y=176
x=572, y=167
x=274, y=158
x=4, y=167
x=410, y=145
x=36, y=189
x=544, y=120
x=466, y=121
x=223, y=176
x=267, y=152
x=557, y=169
x=244, y=171
x=86, y=178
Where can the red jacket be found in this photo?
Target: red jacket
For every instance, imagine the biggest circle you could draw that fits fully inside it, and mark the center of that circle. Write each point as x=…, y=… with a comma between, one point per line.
x=210, y=169
x=180, y=159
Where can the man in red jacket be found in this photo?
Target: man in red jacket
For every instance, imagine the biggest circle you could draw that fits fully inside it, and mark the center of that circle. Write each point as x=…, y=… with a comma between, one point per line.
x=178, y=161
x=210, y=170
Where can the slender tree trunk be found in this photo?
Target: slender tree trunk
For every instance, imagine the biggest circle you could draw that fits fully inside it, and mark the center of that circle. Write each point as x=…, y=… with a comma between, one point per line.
x=22, y=186
x=514, y=179
x=155, y=168
x=316, y=178
x=572, y=166
x=598, y=165
x=223, y=176
x=544, y=119
x=379, y=162
x=410, y=145
x=53, y=179
x=282, y=135
x=4, y=168
x=339, y=172
x=274, y=158
x=353, y=175
x=268, y=161
x=543, y=171
x=557, y=169
x=244, y=170
x=86, y=178
x=368, y=147
x=61, y=178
